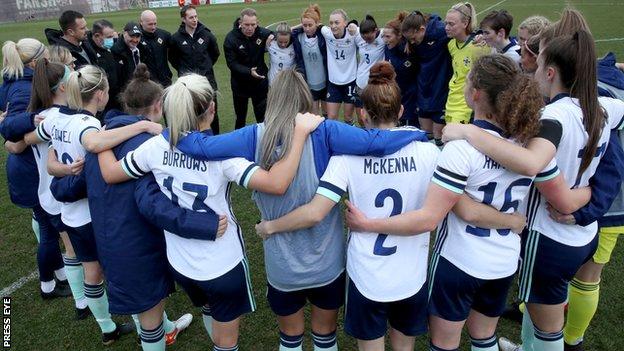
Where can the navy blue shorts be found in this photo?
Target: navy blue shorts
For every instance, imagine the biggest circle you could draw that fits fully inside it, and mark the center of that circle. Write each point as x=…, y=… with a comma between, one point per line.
x=548, y=266
x=340, y=93
x=435, y=116
x=319, y=94
x=229, y=296
x=83, y=241
x=356, y=97
x=57, y=223
x=327, y=297
x=367, y=319
x=453, y=293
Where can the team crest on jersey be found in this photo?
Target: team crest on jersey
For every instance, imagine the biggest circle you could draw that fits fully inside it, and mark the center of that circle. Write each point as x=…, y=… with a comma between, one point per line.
x=466, y=61
x=431, y=42
x=184, y=43
x=85, y=118
x=407, y=64
x=348, y=41
x=200, y=41
x=242, y=47
x=259, y=41
x=160, y=41
x=121, y=62
x=144, y=43
x=98, y=55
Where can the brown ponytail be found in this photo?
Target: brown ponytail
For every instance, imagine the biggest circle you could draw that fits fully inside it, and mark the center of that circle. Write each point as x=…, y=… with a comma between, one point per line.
x=396, y=23
x=414, y=21
x=46, y=77
x=382, y=97
x=141, y=92
x=575, y=59
x=514, y=99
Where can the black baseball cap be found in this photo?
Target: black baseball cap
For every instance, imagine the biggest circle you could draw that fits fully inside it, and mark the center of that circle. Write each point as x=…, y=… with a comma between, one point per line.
x=133, y=29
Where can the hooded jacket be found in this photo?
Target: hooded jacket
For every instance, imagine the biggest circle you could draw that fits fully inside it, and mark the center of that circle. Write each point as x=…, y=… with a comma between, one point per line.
x=242, y=53
x=155, y=45
x=105, y=60
x=55, y=37
x=197, y=54
x=21, y=169
x=125, y=61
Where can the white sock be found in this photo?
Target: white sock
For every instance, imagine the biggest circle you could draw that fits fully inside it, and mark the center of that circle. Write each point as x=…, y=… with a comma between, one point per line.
x=48, y=287
x=60, y=274
x=81, y=303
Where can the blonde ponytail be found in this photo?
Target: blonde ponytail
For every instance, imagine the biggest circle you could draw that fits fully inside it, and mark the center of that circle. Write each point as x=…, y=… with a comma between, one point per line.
x=83, y=84
x=185, y=104
x=468, y=15
x=16, y=55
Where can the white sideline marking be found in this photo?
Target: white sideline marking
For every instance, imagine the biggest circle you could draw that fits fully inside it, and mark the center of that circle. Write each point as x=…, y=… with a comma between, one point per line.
x=275, y=23
x=610, y=39
x=18, y=284
x=491, y=7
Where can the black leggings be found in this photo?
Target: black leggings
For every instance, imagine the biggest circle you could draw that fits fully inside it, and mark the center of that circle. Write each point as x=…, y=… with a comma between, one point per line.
x=240, y=108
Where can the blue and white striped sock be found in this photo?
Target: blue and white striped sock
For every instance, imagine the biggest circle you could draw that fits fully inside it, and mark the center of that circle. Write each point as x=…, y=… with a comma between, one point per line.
x=75, y=277
x=548, y=341
x=153, y=340
x=217, y=348
x=432, y=347
x=487, y=344
x=325, y=342
x=290, y=343
x=98, y=304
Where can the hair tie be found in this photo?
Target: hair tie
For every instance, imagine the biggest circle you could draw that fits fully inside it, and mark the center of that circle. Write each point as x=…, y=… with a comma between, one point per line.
x=79, y=74
x=526, y=46
x=63, y=80
x=575, y=36
x=184, y=84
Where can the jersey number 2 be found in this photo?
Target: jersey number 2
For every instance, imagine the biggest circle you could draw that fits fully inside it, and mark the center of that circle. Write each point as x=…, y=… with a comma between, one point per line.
x=397, y=207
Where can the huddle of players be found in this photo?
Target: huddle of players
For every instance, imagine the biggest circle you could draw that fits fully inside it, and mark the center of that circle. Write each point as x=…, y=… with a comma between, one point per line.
x=506, y=159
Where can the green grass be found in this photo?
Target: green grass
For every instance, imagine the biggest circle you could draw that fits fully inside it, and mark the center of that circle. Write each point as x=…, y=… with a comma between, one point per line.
x=39, y=325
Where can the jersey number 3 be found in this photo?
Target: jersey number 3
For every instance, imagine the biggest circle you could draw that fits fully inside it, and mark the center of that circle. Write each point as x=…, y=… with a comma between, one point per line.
x=397, y=207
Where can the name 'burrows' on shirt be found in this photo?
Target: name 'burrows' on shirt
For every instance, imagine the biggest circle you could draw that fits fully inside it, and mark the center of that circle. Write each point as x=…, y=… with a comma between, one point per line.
x=180, y=160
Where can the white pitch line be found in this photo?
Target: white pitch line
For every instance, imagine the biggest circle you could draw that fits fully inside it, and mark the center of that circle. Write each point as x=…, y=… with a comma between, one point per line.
x=491, y=7
x=18, y=284
x=610, y=39
x=288, y=20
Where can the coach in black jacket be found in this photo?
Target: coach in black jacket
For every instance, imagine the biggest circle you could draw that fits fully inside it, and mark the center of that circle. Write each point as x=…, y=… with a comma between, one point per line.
x=155, y=43
x=99, y=39
x=194, y=49
x=128, y=53
x=73, y=36
x=244, y=49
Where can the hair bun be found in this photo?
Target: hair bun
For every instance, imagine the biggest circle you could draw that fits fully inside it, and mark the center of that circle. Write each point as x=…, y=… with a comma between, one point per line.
x=381, y=73
x=141, y=72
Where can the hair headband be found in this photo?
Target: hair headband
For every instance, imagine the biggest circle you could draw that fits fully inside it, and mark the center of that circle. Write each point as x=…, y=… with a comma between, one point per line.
x=95, y=86
x=63, y=80
x=38, y=54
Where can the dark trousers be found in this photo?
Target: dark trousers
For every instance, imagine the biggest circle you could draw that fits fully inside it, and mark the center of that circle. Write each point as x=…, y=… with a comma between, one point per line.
x=214, y=126
x=240, y=108
x=49, y=257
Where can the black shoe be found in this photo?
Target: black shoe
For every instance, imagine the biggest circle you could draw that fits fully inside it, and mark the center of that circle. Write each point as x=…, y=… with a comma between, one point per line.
x=577, y=347
x=61, y=282
x=122, y=329
x=82, y=313
x=58, y=291
x=512, y=313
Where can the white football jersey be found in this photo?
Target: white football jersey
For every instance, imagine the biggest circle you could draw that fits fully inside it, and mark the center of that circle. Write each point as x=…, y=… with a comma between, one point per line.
x=46, y=200
x=574, y=138
x=483, y=253
x=66, y=131
x=512, y=51
x=384, y=267
x=197, y=185
x=369, y=54
x=341, y=57
x=281, y=59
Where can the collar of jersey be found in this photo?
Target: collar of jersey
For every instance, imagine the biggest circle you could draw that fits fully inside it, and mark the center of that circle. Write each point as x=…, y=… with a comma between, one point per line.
x=511, y=44
x=70, y=111
x=481, y=123
x=558, y=97
x=165, y=133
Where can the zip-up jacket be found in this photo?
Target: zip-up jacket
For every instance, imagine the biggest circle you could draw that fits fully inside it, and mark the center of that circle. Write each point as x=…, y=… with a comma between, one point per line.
x=156, y=45
x=196, y=54
x=55, y=37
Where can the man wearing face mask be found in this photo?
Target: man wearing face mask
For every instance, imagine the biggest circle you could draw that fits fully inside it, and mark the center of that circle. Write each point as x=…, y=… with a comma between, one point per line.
x=244, y=49
x=101, y=39
x=128, y=52
x=73, y=36
x=194, y=48
x=155, y=43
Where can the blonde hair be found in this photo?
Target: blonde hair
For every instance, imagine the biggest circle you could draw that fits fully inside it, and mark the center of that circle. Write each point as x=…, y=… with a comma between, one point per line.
x=83, y=84
x=185, y=104
x=340, y=12
x=289, y=95
x=60, y=54
x=534, y=24
x=468, y=15
x=16, y=55
x=282, y=29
